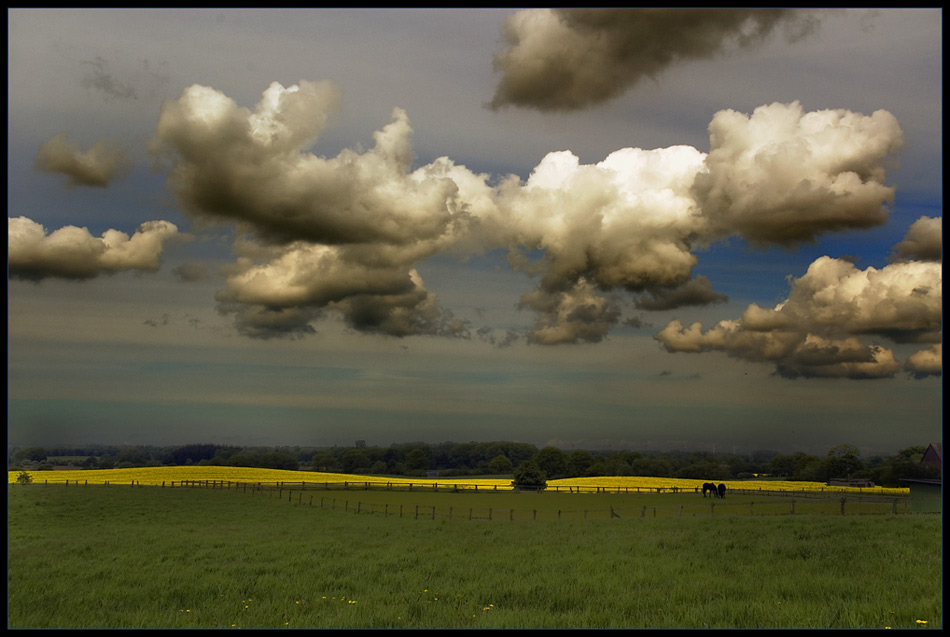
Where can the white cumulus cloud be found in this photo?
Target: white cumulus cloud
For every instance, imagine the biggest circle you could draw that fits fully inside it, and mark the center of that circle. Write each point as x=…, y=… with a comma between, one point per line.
x=74, y=253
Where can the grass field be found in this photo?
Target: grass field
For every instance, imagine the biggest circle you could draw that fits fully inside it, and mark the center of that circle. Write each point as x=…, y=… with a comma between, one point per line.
x=147, y=557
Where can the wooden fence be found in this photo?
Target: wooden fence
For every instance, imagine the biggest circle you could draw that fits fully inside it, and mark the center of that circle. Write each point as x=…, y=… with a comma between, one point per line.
x=310, y=493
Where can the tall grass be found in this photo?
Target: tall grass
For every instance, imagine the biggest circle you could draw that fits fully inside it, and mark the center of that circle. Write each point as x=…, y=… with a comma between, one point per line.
x=146, y=557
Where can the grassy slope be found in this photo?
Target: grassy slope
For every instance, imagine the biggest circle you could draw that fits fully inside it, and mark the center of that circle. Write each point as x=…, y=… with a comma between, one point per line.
x=100, y=557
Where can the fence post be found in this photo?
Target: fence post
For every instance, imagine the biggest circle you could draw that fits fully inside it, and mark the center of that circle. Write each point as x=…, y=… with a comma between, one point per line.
x=793, y=507
x=712, y=508
x=643, y=512
x=417, y=511
x=843, y=500
x=433, y=512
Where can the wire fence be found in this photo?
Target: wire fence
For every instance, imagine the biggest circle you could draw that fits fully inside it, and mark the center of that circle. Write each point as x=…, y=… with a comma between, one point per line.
x=317, y=494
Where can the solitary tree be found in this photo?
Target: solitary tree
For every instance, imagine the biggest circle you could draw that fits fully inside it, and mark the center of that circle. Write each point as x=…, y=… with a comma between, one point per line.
x=529, y=475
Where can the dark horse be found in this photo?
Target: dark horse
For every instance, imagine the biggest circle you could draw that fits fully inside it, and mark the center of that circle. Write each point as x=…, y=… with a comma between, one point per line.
x=722, y=490
x=710, y=488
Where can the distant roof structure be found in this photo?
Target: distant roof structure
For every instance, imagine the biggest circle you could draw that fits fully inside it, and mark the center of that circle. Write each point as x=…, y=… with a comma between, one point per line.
x=934, y=456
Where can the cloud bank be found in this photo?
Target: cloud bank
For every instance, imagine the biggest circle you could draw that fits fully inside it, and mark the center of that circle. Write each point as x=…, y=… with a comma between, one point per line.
x=73, y=253
x=571, y=59
x=346, y=234
x=817, y=330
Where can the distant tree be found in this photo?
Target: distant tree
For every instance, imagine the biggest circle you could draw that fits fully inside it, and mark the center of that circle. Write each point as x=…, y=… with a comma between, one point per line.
x=553, y=462
x=707, y=469
x=244, y=458
x=35, y=454
x=905, y=465
x=106, y=461
x=325, y=461
x=529, y=475
x=278, y=460
x=579, y=462
x=653, y=467
x=500, y=464
x=378, y=467
x=815, y=471
x=790, y=466
x=417, y=461
x=355, y=460
x=24, y=478
x=843, y=460
x=131, y=455
x=190, y=454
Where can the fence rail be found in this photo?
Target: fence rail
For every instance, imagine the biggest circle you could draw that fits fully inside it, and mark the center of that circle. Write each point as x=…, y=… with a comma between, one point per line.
x=360, y=485
x=783, y=502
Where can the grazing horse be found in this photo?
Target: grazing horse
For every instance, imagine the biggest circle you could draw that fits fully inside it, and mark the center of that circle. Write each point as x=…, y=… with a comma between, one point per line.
x=709, y=487
x=722, y=490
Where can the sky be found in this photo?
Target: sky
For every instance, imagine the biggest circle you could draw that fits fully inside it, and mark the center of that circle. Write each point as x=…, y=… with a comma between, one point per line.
x=665, y=229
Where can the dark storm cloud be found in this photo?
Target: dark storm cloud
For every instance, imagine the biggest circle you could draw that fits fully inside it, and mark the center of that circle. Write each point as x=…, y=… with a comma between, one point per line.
x=191, y=271
x=575, y=314
x=96, y=167
x=569, y=59
x=73, y=253
x=698, y=291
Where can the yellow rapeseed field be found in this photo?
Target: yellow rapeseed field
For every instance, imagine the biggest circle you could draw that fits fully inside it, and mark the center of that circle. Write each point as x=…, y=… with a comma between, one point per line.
x=635, y=482
x=167, y=475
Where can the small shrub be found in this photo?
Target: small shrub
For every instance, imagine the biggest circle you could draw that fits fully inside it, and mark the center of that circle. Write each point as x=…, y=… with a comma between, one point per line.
x=24, y=478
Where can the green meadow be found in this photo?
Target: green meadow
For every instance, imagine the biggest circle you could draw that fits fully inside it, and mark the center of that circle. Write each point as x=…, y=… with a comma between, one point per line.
x=150, y=557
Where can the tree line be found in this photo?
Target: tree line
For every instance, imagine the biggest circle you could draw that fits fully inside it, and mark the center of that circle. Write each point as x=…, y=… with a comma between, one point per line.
x=448, y=459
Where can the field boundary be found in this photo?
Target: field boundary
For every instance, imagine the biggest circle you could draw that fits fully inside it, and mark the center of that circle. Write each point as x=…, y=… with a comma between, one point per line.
x=317, y=495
